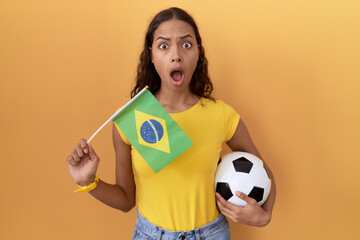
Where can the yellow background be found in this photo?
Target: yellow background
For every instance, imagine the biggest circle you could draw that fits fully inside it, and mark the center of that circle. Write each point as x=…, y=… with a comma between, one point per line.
x=290, y=68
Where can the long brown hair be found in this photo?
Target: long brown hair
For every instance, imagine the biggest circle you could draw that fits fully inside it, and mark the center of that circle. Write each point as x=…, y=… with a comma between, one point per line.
x=200, y=83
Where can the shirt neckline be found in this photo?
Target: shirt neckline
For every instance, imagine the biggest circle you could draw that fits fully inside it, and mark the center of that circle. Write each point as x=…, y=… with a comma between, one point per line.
x=189, y=109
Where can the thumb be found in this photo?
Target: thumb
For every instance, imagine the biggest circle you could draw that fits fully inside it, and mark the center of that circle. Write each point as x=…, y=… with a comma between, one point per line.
x=243, y=196
x=92, y=153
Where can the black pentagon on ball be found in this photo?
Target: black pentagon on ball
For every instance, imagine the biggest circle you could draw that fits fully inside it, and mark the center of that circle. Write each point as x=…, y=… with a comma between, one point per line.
x=242, y=165
x=257, y=193
x=224, y=190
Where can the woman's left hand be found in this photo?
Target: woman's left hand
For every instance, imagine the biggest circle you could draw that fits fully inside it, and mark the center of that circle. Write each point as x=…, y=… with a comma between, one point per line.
x=251, y=214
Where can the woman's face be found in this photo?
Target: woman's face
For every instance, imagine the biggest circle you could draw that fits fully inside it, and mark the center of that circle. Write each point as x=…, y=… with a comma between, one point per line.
x=175, y=53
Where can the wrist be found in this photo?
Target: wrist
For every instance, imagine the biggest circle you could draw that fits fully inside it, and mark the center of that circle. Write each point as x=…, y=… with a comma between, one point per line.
x=88, y=187
x=85, y=181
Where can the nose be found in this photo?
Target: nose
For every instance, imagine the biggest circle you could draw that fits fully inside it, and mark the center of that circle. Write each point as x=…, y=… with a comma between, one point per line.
x=176, y=56
x=177, y=59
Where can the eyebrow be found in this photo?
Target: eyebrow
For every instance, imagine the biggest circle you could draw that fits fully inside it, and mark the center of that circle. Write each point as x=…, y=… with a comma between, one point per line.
x=168, y=39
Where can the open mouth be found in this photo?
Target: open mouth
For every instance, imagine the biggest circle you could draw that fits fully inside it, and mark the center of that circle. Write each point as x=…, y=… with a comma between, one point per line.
x=177, y=76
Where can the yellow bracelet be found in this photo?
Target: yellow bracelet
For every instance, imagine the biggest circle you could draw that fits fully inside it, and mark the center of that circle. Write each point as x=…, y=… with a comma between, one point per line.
x=89, y=187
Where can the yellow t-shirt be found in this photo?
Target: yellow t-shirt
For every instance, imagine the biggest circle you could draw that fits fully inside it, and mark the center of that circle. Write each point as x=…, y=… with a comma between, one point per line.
x=181, y=196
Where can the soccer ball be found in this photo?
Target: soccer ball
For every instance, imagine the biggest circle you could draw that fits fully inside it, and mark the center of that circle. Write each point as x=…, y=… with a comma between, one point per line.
x=244, y=172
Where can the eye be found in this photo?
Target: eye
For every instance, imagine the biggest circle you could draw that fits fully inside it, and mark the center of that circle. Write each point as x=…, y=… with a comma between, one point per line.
x=187, y=45
x=163, y=46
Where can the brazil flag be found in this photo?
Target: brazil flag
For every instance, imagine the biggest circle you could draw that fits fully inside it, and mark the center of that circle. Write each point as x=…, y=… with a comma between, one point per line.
x=152, y=131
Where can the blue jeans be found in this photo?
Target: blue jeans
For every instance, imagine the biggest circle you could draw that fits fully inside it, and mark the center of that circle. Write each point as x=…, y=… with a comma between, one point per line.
x=215, y=230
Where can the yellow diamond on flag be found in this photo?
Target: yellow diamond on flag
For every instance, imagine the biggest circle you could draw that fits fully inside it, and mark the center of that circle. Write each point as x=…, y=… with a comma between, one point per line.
x=152, y=131
x=159, y=140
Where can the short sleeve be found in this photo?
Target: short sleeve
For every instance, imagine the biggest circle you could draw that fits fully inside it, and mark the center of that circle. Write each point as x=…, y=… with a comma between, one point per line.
x=122, y=134
x=231, y=121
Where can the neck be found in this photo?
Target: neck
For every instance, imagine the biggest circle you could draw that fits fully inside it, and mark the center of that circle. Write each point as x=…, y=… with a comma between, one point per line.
x=176, y=101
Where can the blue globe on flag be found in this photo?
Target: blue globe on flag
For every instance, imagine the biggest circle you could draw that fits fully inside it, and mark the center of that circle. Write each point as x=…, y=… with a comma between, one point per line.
x=151, y=131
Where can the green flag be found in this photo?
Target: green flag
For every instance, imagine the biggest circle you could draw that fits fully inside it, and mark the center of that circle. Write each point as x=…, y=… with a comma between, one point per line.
x=152, y=131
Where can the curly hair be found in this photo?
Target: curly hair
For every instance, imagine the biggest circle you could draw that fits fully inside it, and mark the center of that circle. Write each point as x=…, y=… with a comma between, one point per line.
x=147, y=75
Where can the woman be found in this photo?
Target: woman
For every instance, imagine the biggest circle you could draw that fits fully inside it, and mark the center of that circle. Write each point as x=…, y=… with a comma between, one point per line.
x=178, y=202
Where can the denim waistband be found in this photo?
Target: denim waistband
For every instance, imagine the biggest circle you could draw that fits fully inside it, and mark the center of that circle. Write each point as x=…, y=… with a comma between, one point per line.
x=144, y=225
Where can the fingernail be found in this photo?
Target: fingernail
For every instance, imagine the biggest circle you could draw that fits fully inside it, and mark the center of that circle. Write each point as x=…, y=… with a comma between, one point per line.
x=85, y=150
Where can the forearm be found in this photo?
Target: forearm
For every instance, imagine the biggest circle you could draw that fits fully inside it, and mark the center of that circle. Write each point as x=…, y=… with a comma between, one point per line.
x=113, y=195
x=269, y=204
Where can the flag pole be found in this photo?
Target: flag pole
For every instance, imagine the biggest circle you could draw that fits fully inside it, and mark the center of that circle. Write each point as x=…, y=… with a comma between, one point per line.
x=119, y=111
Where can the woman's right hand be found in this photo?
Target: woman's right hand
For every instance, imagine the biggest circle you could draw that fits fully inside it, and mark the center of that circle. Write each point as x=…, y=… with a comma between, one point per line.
x=83, y=163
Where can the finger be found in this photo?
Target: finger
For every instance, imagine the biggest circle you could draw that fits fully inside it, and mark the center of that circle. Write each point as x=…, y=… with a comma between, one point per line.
x=246, y=198
x=228, y=215
x=83, y=145
x=222, y=208
x=70, y=161
x=75, y=156
x=92, y=152
x=227, y=212
x=227, y=204
x=221, y=200
x=79, y=150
